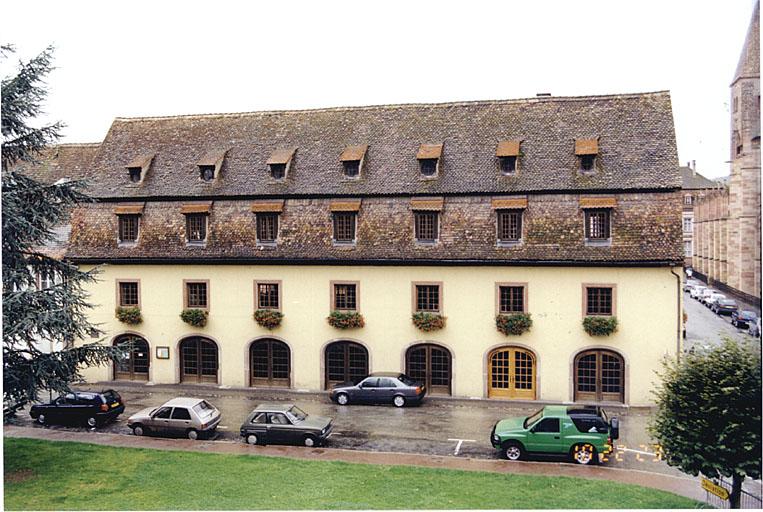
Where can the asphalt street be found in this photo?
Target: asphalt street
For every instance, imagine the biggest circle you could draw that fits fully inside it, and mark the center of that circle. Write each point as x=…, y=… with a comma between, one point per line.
x=704, y=328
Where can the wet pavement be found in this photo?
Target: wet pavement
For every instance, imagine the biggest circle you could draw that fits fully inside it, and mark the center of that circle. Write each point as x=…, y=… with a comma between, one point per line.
x=705, y=328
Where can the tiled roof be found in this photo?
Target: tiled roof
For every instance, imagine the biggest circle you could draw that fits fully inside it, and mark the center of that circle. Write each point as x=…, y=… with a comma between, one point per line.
x=749, y=60
x=635, y=132
x=693, y=180
x=63, y=161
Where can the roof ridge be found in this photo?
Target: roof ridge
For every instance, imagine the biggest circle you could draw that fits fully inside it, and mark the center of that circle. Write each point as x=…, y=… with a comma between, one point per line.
x=78, y=144
x=531, y=99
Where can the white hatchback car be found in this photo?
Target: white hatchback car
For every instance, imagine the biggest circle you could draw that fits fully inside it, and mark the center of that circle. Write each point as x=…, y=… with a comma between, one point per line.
x=695, y=292
x=713, y=298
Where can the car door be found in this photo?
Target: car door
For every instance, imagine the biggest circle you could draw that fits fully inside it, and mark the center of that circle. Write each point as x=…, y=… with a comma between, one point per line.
x=160, y=421
x=279, y=428
x=386, y=390
x=259, y=426
x=367, y=390
x=55, y=412
x=180, y=420
x=545, y=436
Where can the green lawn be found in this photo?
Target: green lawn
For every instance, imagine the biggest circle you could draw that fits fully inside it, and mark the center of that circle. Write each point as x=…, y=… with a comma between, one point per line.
x=43, y=475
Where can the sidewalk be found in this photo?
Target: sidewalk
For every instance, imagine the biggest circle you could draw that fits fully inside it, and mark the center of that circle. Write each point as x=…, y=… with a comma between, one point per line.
x=688, y=487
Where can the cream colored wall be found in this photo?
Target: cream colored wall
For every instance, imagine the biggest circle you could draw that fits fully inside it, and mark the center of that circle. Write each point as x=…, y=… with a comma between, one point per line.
x=646, y=310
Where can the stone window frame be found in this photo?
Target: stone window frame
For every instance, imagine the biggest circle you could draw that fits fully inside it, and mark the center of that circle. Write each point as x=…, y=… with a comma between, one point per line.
x=257, y=217
x=278, y=283
x=119, y=283
x=332, y=299
x=438, y=224
x=187, y=282
x=584, y=305
x=499, y=285
x=414, y=297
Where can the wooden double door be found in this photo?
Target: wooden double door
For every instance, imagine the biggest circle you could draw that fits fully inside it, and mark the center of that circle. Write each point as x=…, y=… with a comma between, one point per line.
x=199, y=360
x=135, y=364
x=269, y=363
x=599, y=376
x=430, y=364
x=345, y=361
x=511, y=373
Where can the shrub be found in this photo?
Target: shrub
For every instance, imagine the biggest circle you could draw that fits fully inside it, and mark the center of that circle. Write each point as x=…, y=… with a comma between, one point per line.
x=428, y=321
x=516, y=323
x=195, y=317
x=268, y=318
x=129, y=315
x=600, y=325
x=346, y=319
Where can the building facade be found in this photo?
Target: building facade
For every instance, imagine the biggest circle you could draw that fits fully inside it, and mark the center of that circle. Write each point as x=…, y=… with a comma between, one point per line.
x=694, y=186
x=728, y=221
x=416, y=228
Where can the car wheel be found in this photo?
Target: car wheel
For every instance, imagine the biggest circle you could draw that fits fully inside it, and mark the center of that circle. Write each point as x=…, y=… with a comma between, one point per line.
x=513, y=451
x=91, y=422
x=399, y=401
x=309, y=441
x=584, y=454
x=192, y=434
x=41, y=419
x=342, y=399
x=138, y=430
x=252, y=439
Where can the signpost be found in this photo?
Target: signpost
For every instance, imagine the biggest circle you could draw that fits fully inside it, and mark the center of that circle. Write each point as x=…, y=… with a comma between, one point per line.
x=714, y=488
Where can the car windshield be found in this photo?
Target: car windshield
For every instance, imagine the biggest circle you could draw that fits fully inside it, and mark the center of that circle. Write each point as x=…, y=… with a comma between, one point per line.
x=406, y=379
x=532, y=418
x=297, y=414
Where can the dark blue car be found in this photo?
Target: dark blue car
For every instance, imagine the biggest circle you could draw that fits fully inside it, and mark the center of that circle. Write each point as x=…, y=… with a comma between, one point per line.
x=380, y=388
x=743, y=319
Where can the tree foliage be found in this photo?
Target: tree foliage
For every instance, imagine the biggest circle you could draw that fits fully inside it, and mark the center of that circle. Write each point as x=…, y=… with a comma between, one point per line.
x=34, y=317
x=709, y=413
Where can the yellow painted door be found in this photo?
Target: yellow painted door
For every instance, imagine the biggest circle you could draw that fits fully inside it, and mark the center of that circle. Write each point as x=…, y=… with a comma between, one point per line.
x=511, y=374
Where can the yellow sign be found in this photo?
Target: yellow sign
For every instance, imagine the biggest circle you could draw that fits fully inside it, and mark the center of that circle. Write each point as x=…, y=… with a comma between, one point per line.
x=716, y=489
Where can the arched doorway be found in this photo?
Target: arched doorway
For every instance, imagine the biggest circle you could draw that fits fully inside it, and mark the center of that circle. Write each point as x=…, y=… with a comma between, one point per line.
x=599, y=376
x=269, y=363
x=135, y=364
x=511, y=373
x=345, y=361
x=430, y=364
x=198, y=360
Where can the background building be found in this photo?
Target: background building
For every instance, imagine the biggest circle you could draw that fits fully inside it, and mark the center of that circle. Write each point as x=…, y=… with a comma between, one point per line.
x=694, y=186
x=727, y=222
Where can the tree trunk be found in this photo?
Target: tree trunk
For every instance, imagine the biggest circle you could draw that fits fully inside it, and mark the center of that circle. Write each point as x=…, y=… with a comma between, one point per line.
x=735, y=498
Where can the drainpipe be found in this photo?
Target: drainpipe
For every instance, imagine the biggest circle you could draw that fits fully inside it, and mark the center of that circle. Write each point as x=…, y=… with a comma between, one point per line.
x=679, y=317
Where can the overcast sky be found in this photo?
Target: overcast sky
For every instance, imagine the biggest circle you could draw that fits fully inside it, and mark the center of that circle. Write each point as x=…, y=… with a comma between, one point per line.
x=152, y=58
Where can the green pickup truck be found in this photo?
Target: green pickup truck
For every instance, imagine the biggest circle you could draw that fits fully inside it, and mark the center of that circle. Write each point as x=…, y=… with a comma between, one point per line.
x=583, y=433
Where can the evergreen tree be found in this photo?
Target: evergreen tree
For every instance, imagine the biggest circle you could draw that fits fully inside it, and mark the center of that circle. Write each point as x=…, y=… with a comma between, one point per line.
x=30, y=212
x=709, y=413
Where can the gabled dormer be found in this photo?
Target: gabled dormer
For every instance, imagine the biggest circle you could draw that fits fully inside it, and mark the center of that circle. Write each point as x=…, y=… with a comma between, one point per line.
x=138, y=167
x=280, y=163
x=353, y=158
x=429, y=156
x=587, y=152
x=210, y=164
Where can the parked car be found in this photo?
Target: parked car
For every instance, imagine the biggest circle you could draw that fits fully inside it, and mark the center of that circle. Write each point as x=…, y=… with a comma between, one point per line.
x=582, y=433
x=189, y=417
x=713, y=298
x=696, y=292
x=285, y=424
x=383, y=387
x=743, y=319
x=91, y=409
x=754, y=329
x=724, y=306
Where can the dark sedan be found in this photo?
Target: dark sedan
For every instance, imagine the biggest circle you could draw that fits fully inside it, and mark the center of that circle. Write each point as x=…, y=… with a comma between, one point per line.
x=743, y=319
x=285, y=424
x=92, y=409
x=724, y=306
x=380, y=388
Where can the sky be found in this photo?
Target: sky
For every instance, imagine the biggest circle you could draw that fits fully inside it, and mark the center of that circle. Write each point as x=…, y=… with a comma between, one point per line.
x=152, y=58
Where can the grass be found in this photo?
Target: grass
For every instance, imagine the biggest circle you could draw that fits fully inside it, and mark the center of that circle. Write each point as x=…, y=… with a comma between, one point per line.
x=45, y=475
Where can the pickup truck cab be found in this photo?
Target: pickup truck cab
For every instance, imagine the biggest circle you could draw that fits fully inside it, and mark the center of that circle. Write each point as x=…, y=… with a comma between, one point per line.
x=584, y=433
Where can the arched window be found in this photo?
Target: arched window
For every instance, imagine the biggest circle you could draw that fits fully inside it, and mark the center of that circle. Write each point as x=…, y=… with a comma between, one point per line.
x=135, y=364
x=599, y=376
x=269, y=363
x=511, y=373
x=345, y=361
x=198, y=359
x=430, y=364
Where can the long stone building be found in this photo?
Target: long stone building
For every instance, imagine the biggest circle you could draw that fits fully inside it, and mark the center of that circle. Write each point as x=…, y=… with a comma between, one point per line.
x=417, y=228
x=727, y=221
x=694, y=186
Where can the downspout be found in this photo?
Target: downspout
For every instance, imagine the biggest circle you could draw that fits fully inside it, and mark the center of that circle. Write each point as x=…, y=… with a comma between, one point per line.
x=679, y=316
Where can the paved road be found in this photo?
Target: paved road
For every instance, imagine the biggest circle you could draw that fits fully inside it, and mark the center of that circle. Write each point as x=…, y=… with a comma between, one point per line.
x=703, y=327
x=433, y=428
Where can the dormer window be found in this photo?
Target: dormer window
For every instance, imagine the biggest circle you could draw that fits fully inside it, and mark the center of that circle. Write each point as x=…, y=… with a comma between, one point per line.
x=507, y=153
x=207, y=172
x=345, y=219
x=429, y=159
x=587, y=150
x=280, y=163
x=597, y=215
x=138, y=167
x=196, y=222
x=210, y=164
x=128, y=220
x=352, y=159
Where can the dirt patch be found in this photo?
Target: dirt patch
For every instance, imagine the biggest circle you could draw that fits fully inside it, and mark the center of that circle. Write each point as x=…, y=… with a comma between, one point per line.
x=20, y=475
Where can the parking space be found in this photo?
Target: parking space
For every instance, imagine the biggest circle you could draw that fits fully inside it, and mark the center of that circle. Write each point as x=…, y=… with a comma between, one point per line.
x=705, y=328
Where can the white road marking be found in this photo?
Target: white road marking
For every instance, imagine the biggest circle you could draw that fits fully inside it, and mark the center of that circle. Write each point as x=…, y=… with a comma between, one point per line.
x=460, y=442
x=222, y=426
x=636, y=451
